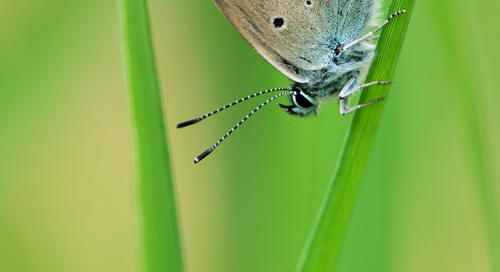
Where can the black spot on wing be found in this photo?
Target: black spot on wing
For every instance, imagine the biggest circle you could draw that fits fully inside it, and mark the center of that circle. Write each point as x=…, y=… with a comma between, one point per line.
x=278, y=22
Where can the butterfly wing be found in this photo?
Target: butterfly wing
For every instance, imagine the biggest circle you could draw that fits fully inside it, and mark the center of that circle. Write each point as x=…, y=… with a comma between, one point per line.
x=297, y=37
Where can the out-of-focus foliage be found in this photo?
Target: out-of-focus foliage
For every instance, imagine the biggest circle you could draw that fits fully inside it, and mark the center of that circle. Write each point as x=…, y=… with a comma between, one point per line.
x=65, y=165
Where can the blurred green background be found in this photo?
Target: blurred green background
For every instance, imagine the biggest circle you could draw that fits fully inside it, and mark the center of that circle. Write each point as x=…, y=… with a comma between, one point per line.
x=430, y=198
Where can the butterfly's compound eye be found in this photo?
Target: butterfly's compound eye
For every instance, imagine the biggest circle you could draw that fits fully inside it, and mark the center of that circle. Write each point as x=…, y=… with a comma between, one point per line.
x=303, y=104
x=302, y=100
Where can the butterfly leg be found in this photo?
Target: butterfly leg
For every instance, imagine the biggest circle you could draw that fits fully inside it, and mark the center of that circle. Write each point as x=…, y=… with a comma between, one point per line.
x=344, y=105
x=370, y=34
x=347, y=91
x=372, y=38
x=375, y=83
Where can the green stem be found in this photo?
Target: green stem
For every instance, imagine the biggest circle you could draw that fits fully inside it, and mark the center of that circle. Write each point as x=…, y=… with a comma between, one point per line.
x=324, y=246
x=158, y=238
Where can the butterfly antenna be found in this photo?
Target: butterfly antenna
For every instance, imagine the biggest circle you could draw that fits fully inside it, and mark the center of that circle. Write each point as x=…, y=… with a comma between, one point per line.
x=196, y=120
x=209, y=150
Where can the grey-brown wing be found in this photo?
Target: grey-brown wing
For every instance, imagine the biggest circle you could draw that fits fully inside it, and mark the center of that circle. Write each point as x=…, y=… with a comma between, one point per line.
x=296, y=36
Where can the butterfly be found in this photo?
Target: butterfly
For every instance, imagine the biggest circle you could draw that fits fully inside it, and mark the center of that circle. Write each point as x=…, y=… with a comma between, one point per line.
x=318, y=44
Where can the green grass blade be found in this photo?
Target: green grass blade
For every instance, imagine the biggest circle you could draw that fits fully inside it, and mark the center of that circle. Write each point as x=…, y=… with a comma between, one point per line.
x=323, y=249
x=157, y=228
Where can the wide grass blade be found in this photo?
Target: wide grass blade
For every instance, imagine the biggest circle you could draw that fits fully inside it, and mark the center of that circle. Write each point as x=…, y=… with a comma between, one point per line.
x=468, y=93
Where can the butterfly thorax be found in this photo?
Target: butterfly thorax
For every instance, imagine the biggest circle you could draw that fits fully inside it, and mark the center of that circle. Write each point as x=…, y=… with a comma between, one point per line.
x=329, y=81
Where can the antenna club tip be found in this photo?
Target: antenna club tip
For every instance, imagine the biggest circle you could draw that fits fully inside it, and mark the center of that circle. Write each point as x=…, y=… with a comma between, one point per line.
x=188, y=123
x=203, y=155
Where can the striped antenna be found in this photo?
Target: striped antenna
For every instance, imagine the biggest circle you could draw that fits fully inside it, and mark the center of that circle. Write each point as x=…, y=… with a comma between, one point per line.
x=196, y=120
x=209, y=150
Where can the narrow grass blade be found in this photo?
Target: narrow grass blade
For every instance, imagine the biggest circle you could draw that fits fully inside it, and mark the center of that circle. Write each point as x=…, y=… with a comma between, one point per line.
x=157, y=230
x=323, y=249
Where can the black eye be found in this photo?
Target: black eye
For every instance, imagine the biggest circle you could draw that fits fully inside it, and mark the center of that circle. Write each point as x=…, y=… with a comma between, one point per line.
x=308, y=2
x=302, y=101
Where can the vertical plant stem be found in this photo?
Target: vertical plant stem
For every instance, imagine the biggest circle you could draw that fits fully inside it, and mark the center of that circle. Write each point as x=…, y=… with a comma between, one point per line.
x=158, y=241
x=323, y=249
